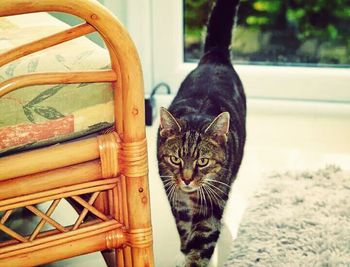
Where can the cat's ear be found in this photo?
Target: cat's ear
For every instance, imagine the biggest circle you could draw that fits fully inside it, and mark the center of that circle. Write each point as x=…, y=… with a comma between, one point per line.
x=168, y=124
x=219, y=128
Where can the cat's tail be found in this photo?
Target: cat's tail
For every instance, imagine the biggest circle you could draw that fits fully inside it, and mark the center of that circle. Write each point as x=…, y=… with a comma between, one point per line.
x=219, y=28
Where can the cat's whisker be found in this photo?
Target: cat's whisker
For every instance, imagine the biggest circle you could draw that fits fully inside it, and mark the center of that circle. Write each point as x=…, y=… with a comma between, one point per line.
x=219, y=182
x=205, y=201
x=213, y=199
x=201, y=201
x=204, y=209
x=171, y=182
x=169, y=179
x=218, y=199
x=209, y=198
x=168, y=184
x=169, y=190
x=176, y=196
x=173, y=195
x=212, y=196
x=216, y=188
x=215, y=193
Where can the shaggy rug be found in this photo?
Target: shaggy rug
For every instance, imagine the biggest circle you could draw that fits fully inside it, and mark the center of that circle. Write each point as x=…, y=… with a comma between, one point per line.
x=297, y=219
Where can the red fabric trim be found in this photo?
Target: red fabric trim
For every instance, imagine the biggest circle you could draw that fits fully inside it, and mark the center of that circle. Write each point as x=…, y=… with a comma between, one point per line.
x=28, y=133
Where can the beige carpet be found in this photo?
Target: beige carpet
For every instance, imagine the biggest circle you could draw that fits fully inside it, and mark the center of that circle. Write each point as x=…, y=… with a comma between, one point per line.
x=297, y=219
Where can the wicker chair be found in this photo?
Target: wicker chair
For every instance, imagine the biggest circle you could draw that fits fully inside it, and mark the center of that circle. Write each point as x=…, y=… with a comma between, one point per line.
x=106, y=175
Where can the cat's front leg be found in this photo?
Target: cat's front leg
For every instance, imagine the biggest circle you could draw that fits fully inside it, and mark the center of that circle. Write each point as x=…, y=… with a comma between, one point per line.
x=201, y=242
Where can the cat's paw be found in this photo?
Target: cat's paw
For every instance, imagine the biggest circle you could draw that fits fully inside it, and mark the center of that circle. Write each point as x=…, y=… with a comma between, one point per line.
x=180, y=260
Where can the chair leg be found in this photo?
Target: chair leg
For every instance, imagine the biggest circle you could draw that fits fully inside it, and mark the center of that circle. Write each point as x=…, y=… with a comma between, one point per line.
x=110, y=257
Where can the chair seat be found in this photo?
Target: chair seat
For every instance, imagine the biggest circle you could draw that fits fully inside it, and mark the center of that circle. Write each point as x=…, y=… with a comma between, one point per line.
x=46, y=114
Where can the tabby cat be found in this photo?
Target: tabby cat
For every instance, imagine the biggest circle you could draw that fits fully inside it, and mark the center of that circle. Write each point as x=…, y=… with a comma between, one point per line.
x=201, y=140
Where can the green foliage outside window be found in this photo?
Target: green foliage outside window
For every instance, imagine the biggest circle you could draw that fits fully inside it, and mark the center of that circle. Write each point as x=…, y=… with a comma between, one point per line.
x=294, y=32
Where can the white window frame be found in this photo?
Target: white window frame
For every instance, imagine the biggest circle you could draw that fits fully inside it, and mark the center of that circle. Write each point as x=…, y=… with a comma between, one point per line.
x=276, y=82
x=156, y=27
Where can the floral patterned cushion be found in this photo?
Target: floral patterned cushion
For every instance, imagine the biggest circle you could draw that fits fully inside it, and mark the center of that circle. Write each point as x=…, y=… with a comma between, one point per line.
x=41, y=115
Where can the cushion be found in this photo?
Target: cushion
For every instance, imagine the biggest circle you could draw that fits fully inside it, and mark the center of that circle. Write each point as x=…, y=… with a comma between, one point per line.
x=41, y=115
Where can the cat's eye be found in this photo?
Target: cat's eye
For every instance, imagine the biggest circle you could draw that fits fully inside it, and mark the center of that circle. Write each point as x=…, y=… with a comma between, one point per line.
x=202, y=162
x=175, y=160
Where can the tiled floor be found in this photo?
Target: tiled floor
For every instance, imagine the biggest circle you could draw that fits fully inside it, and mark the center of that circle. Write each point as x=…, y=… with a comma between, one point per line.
x=281, y=136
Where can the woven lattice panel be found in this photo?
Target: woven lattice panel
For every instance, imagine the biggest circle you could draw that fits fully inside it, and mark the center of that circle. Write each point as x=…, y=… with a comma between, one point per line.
x=31, y=222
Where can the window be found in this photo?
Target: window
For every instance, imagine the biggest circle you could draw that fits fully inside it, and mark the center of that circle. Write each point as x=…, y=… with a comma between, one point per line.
x=268, y=79
x=292, y=33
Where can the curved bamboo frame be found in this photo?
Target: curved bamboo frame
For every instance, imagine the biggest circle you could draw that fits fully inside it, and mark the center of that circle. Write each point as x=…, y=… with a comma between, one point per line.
x=112, y=167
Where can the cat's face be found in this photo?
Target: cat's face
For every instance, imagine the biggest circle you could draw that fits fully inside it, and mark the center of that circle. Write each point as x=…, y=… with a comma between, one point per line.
x=188, y=159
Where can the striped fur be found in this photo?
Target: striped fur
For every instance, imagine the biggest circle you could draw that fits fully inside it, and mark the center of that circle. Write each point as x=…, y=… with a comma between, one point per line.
x=201, y=141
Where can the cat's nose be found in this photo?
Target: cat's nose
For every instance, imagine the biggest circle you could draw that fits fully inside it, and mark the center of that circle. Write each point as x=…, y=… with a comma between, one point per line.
x=187, y=182
x=187, y=174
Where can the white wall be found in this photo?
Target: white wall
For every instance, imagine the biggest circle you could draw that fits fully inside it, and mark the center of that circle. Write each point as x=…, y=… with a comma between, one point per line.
x=136, y=16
